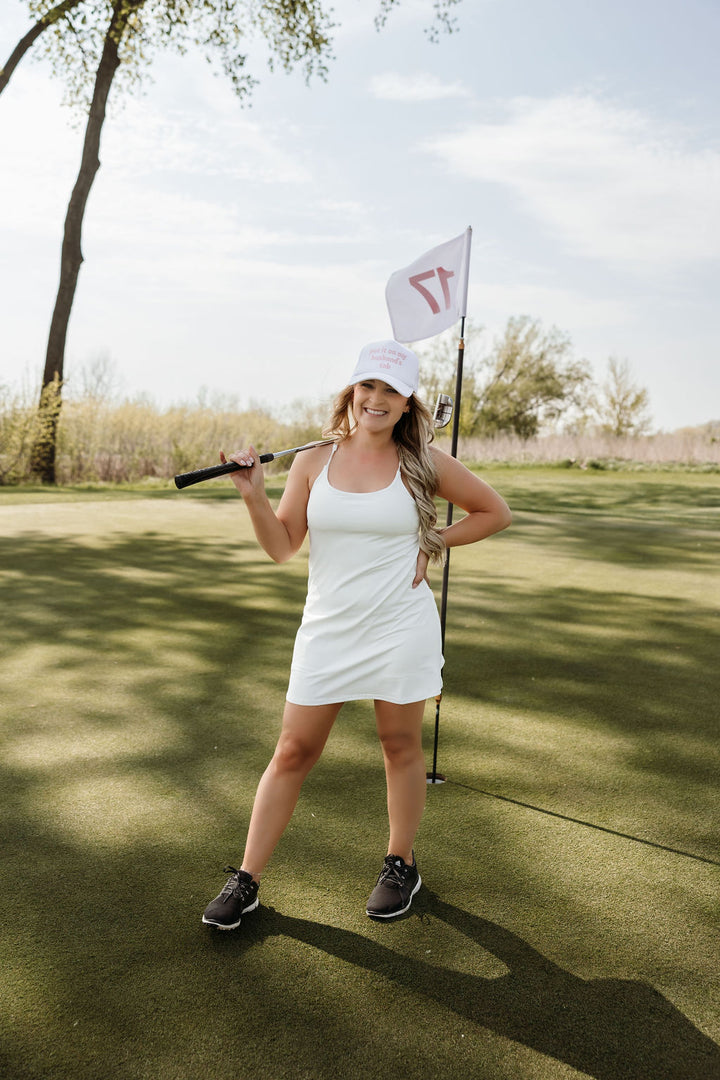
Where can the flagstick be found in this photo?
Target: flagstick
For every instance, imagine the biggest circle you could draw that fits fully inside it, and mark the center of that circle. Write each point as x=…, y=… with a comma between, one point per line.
x=434, y=777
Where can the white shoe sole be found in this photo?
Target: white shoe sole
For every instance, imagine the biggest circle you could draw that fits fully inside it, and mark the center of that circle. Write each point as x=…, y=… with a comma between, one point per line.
x=394, y=914
x=230, y=926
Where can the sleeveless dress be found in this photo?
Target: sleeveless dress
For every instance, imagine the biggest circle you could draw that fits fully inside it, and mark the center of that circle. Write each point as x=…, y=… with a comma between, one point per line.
x=365, y=632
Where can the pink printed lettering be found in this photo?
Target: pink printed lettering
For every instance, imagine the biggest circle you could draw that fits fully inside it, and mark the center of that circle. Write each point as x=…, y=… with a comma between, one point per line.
x=444, y=276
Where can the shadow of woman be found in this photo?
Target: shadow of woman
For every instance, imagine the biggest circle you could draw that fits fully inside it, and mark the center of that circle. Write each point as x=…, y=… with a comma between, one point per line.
x=611, y=1029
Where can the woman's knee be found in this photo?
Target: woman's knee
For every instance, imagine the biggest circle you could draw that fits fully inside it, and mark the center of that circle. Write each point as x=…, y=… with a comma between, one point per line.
x=295, y=755
x=400, y=747
x=304, y=734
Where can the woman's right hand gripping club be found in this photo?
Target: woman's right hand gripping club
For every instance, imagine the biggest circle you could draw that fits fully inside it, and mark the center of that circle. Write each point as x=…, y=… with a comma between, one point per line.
x=249, y=479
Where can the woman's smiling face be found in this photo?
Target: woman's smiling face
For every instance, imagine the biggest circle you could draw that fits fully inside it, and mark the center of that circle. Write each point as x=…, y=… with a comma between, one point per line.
x=377, y=404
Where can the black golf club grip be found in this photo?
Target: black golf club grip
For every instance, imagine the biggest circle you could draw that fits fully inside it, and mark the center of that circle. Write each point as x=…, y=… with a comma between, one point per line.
x=186, y=479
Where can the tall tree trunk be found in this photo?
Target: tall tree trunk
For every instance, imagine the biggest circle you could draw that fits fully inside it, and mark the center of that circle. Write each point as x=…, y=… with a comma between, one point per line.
x=31, y=37
x=43, y=455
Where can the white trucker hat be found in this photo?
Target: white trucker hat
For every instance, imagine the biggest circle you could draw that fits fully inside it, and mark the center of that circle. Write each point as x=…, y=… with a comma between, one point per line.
x=391, y=362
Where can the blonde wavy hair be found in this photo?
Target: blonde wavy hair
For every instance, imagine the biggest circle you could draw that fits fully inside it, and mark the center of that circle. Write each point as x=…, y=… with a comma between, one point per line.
x=412, y=435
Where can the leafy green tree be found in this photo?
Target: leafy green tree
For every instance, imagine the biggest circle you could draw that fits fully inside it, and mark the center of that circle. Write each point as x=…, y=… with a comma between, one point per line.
x=88, y=43
x=91, y=42
x=622, y=406
x=526, y=380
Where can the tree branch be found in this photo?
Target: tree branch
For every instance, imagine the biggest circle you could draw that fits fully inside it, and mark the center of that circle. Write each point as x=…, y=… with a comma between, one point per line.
x=31, y=37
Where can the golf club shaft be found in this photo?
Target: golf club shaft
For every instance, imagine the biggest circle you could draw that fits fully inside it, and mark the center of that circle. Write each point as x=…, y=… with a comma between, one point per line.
x=186, y=479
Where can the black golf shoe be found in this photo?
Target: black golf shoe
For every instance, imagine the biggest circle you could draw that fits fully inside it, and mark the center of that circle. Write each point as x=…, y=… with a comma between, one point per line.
x=396, y=886
x=239, y=896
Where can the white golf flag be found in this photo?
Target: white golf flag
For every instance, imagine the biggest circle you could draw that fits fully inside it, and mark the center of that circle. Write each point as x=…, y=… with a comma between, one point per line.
x=426, y=297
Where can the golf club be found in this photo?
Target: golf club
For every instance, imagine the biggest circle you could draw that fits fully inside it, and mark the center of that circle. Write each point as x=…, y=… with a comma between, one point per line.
x=443, y=411
x=441, y=418
x=185, y=479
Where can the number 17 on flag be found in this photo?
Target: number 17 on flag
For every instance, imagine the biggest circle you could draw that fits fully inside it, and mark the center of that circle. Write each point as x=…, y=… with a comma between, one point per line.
x=430, y=295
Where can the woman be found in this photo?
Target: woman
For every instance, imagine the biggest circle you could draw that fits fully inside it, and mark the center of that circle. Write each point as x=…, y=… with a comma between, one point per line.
x=370, y=626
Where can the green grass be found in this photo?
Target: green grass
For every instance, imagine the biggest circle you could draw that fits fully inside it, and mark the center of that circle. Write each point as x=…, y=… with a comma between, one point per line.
x=568, y=926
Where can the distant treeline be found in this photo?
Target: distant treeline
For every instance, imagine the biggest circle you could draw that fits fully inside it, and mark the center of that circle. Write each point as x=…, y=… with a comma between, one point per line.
x=106, y=439
x=114, y=441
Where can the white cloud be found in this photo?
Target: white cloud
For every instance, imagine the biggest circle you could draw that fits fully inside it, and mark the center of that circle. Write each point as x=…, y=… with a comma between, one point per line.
x=414, y=88
x=261, y=328
x=566, y=307
x=143, y=141
x=610, y=181
x=144, y=155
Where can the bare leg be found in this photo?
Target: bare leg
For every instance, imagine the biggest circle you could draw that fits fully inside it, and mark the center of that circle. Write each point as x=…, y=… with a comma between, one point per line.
x=304, y=734
x=400, y=731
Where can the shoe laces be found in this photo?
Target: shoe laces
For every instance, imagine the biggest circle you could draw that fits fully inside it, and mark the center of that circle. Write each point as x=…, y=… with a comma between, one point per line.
x=234, y=884
x=394, y=872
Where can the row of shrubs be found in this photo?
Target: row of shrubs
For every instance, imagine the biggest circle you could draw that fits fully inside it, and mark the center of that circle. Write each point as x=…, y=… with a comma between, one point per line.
x=697, y=450
x=131, y=440
x=128, y=441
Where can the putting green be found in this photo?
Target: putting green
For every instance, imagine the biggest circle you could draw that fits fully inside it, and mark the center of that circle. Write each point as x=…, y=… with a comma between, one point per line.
x=568, y=923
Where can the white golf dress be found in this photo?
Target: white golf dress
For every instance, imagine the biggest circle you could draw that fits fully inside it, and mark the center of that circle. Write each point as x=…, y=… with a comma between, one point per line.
x=365, y=632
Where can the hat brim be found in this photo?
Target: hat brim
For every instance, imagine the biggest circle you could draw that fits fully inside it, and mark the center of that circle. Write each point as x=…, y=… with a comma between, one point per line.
x=385, y=376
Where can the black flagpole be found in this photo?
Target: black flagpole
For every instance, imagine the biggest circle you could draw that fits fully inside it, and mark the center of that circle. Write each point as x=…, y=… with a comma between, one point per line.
x=434, y=777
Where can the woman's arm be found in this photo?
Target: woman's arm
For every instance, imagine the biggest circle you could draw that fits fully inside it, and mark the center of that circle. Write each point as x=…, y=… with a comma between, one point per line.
x=486, y=511
x=279, y=534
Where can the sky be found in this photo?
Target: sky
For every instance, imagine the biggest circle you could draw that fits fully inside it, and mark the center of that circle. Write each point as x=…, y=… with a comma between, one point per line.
x=244, y=252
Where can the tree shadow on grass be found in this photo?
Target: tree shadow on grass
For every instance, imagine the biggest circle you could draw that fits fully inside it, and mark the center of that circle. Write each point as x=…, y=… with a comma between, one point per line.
x=638, y=544
x=633, y=683
x=642, y=663
x=202, y=636
x=141, y=599
x=88, y=597
x=610, y=1029
x=690, y=500
x=141, y=641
